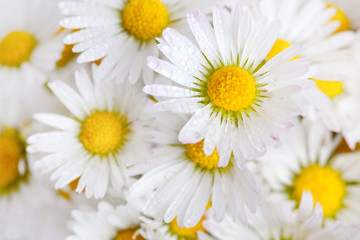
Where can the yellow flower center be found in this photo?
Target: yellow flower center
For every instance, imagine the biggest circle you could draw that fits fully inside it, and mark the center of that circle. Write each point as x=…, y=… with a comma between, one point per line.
x=66, y=56
x=324, y=183
x=186, y=232
x=128, y=235
x=103, y=132
x=330, y=88
x=231, y=88
x=342, y=18
x=16, y=48
x=279, y=46
x=145, y=19
x=196, y=154
x=11, y=152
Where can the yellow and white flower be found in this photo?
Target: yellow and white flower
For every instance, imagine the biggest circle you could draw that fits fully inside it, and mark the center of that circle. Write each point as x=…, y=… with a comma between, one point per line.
x=305, y=162
x=181, y=180
x=29, y=48
x=122, y=32
x=313, y=24
x=106, y=135
x=279, y=221
x=238, y=100
x=29, y=209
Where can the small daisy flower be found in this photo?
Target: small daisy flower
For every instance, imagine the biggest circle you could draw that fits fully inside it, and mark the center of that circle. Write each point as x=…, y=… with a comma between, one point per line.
x=280, y=222
x=103, y=138
x=181, y=180
x=238, y=100
x=106, y=223
x=306, y=163
x=336, y=92
x=28, y=45
x=122, y=33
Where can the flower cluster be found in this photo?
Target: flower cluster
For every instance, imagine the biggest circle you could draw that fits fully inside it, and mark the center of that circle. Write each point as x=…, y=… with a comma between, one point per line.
x=179, y=119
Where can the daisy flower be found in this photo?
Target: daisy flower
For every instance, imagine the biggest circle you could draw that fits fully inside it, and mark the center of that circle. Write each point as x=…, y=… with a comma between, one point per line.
x=238, y=100
x=122, y=32
x=333, y=101
x=181, y=180
x=28, y=208
x=307, y=163
x=106, y=223
x=279, y=221
x=28, y=45
x=103, y=138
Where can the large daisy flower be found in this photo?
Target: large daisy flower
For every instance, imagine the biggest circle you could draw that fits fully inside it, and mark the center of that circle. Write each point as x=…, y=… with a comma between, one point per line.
x=237, y=99
x=107, y=223
x=337, y=85
x=181, y=180
x=29, y=209
x=104, y=136
x=29, y=48
x=278, y=222
x=307, y=163
x=122, y=32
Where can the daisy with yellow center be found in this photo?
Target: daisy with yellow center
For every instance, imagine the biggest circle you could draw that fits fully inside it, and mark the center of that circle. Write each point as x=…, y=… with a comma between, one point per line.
x=190, y=179
x=278, y=220
x=123, y=33
x=108, y=223
x=28, y=53
x=100, y=141
x=237, y=101
x=323, y=24
x=307, y=163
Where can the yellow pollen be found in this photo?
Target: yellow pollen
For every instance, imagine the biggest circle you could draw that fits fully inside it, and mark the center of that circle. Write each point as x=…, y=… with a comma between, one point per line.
x=128, y=235
x=330, y=88
x=16, y=48
x=11, y=152
x=342, y=18
x=145, y=19
x=186, y=232
x=196, y=154
x=102, y=133
x=279, y=46
x=73, y=185
x=325, y=184
x=231, y=88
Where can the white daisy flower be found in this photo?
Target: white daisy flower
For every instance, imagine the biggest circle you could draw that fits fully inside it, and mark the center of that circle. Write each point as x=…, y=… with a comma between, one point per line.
x=238, y=100
x=182, y=180
x=28, y=208
x=280, y=222
x=307, y=163
x=122, y=32
x=28, y=45
x=106, y=223
x=103, y=138
x=312, y=24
